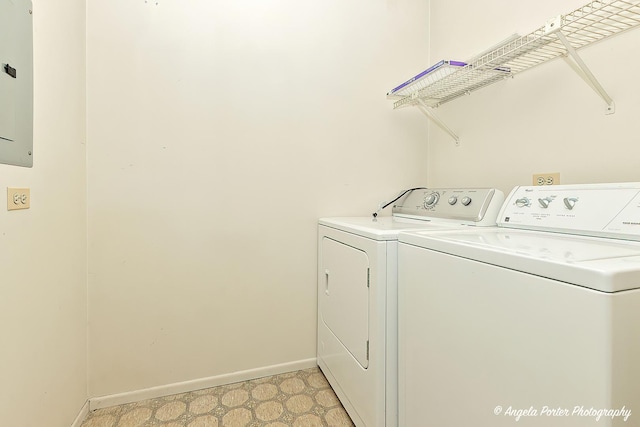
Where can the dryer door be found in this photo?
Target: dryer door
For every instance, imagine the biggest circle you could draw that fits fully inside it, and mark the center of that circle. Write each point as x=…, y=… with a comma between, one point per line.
x=344, y=298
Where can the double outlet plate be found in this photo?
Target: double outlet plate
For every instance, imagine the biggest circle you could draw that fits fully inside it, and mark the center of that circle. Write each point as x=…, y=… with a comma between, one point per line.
x=546, y=178
x=18, y=198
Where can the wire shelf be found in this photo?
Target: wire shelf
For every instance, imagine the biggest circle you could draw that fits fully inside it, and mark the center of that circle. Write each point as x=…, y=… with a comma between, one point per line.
x=426, y=78
x=591, y=23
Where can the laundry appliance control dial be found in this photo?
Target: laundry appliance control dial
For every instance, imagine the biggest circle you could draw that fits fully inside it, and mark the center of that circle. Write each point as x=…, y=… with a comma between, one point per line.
x=431, y=200
x=523, y=202
x=570, y=202
x=544, y=203
x=453, y=200
x=466, y=200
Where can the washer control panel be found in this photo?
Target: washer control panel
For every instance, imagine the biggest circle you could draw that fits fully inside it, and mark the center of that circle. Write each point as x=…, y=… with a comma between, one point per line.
x=472, y=206
x=607, y=210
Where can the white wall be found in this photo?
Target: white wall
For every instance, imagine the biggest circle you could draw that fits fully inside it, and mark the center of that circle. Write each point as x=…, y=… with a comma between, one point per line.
x=43, y=306
x=218, y=133
x=544, y=120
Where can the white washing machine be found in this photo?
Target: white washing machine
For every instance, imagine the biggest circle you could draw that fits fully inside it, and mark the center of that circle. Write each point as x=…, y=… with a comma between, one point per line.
x=357, y=293
x=533, y=323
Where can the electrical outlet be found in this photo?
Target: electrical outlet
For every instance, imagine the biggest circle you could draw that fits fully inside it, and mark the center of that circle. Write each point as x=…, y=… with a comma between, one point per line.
x=546, y=178
x=18, y=198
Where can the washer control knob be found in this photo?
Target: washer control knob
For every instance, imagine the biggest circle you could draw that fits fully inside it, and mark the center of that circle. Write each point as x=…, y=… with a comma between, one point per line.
x=523, y=202
x=431, y=200
x=570, y=202
x=466, y=200
x=544, y=203
x=453, y=200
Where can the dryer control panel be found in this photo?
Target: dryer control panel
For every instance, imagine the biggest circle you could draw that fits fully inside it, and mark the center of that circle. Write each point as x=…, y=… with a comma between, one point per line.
x=470, y=206
x=603, y=210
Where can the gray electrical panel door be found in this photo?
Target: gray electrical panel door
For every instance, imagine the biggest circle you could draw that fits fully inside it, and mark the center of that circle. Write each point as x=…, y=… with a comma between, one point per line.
x=16, y=82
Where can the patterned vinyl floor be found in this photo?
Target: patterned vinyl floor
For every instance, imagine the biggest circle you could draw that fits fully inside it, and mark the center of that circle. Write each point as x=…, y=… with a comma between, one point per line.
x=296, y=399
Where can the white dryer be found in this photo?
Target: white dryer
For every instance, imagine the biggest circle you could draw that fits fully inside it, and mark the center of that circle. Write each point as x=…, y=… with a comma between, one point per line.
x=533, y=323
x=357, y=293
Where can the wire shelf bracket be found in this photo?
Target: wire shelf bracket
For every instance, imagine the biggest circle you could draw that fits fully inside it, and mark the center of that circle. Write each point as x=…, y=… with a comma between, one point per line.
x=428, y=111
x=578, y=65
x=560, y=37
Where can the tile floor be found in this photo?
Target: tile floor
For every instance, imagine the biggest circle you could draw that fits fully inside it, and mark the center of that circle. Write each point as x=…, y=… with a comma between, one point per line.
x=296, y=399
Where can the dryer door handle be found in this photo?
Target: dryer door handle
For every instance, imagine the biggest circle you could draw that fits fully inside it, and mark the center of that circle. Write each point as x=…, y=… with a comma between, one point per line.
x=326, y=281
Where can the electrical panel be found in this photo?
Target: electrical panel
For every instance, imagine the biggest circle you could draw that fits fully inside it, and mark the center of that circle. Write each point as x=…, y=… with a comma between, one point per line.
x=16, y=82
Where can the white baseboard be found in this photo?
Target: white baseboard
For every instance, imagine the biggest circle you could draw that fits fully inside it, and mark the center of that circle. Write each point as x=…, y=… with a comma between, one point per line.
x=198, y=384
x=82, y=415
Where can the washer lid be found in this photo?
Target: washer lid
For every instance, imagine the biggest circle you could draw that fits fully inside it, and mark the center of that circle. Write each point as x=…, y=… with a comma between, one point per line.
x=385, y=228
x=606, y=265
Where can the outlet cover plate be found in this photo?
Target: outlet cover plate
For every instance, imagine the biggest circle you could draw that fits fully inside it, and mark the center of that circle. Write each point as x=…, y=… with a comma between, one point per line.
x=546, y=178
x=18, y=198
